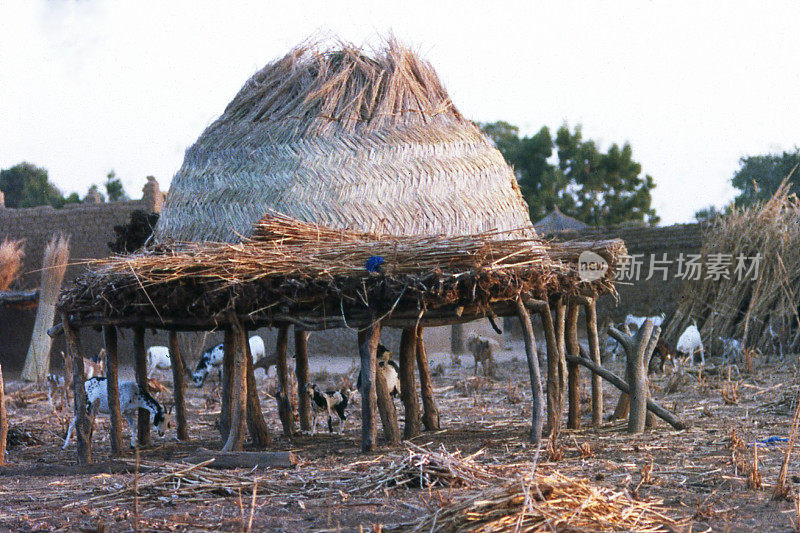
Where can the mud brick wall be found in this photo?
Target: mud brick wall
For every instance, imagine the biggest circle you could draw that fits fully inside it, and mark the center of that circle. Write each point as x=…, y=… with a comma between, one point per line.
x=653, y=296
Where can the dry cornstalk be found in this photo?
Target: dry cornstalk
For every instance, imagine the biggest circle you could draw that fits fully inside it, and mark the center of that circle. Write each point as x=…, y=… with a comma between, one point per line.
x=11, y=254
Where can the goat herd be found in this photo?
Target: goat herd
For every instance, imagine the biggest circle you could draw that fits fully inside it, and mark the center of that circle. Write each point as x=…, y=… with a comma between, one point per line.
x=333, y=404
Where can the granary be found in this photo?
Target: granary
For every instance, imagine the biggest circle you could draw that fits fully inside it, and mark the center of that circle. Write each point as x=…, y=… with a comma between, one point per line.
x=342, y=188
x=556, y=222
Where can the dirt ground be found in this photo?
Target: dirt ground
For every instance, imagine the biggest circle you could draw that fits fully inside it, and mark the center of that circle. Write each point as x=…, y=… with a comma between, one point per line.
x=703, y=475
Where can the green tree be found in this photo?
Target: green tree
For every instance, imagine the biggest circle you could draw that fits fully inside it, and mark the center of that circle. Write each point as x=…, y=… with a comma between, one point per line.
x=94, y=190
x=114, y=188
x=26, y=185
x=595, y=187
x=709, y=213
x=759, y=176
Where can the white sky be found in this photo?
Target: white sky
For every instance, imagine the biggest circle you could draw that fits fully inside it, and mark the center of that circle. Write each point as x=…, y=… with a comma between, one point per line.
x=89, y=86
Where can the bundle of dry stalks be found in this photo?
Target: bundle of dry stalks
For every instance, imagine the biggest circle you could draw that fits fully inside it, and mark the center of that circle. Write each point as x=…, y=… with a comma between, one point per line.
x=546, y=503
x=420, y=468
x=56, y=258
x=11, y=254
x=746, y=308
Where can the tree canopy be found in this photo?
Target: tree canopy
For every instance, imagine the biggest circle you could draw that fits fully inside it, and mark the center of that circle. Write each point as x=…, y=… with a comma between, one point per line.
x=759, y=176
x=596, y=187
x=26, y=185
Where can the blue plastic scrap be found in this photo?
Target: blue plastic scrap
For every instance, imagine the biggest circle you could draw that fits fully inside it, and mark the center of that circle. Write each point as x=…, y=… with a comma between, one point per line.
x=374, y=263
x=773, y=440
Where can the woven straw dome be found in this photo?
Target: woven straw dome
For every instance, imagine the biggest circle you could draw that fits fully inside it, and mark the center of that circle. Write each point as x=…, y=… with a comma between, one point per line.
x=345, y=140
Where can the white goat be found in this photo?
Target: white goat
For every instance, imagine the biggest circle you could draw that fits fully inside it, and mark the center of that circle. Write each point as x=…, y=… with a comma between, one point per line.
x=131, y=398
x=212, y=359
x=389, y=369
x=158, y=358
x=690, y=343
x=631, y=320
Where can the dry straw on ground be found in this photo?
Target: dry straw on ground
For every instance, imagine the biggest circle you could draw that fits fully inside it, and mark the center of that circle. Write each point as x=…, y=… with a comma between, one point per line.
x=745, y=308
x=11, y=254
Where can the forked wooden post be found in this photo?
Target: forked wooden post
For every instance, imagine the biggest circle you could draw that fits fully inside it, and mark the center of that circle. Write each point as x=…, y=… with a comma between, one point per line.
x=408, y=385
x=573, y=370
x=367, y=348
x=594, y=352
x=561, y=327
x=178, y=386
x=256, y=425
x=554, y=392
x=430, y=414
x=225, y=412
x=537, y=406
x=83, y=432
x=238, y=401
x=112, y=374
x=140, y=365
x=301, y=371
x=637, y=379
x=282, y=367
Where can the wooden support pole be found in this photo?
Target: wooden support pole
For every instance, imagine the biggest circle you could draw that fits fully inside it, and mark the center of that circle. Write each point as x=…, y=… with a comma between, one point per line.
x=3, y=420
x=238, y=399
x=367, y=348
x=282, y=367
x=83, y=431
x=637, y=379
x=387, y=410
x=225, y=412
x=140, y=365
x=178, y=386
x=301, y=371
x=650, y=421
x=561, y=327
x=594, y=352
x=430, y=413
x=615, y=380
x=554, y=402
x=573, y=370
x=112, y=374
x=408, y=385
x=256, y=425
x=537, y=407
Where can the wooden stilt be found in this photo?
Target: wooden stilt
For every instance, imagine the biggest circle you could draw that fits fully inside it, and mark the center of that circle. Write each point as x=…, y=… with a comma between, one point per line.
x=282, y=366
x=594, y=353
x=238, y=398
x=408, y=385
x=225, y=412
x=554, y=402
x=83, y=432
x=178, y=386
x=387, y=410
x=115, y=413
x=430, y=414
x=537, y=407
x=367, y=347
x=3, y=420
x=637, y=380
x=301, y=371
x=561, y=327
x=573, y=370
x=140, y=365
x=256, y=425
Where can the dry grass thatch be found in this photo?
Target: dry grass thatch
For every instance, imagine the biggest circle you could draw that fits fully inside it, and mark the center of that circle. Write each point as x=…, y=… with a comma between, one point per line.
x=546, y=503
x=745, y=309
x=349, y=138
x=54, y=266
x=11, y=254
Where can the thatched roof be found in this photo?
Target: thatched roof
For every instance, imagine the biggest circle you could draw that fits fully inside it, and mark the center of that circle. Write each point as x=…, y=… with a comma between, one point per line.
x=556, y=222
x=348, y=139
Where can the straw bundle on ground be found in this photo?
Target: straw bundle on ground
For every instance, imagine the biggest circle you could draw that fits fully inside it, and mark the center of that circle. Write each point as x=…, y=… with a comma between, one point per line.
x=54, y=266
x=745, y=308
x=546, y=503
x=348, y=138
x=11, y=254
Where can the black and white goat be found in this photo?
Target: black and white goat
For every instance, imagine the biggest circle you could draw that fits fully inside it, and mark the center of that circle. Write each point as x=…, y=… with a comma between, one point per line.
x=328, y=403
x=158, y=358
x=212, y=359
x=131, y=398
x=390, y=370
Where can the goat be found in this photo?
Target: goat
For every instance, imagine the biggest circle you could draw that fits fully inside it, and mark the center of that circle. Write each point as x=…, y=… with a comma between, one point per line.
x=212, y=359
x=665, y=354
x=690, y=343
x=56, y=384
x=390, y=370
x=96, y=366
x=328, y=402
x=131, y=398
x=158, y=358
x=732, y=350
x=482, y=350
